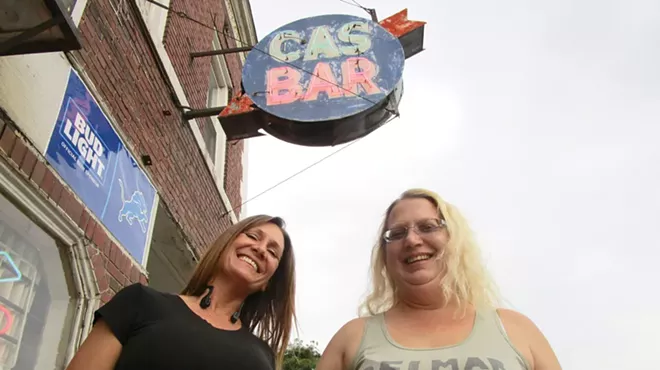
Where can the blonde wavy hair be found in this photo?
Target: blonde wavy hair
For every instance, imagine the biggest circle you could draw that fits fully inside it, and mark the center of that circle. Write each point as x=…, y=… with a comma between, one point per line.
x=466, y=280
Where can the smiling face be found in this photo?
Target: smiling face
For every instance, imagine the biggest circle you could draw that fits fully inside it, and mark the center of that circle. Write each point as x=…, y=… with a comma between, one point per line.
x=254, y=256
x=415, y=239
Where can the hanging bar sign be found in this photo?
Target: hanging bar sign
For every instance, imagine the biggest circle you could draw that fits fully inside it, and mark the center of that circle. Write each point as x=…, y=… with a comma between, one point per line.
x=323, y=68
x=324, y=80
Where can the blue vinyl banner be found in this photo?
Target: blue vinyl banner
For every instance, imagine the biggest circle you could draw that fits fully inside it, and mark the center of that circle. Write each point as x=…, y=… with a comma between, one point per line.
x=88, y=154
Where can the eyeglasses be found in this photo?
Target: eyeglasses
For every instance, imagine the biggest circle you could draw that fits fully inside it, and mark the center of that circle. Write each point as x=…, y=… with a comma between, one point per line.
x=422, y=228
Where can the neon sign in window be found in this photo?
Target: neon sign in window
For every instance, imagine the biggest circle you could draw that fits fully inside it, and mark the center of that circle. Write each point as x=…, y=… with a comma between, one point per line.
x=9, y=320
x=12, y=277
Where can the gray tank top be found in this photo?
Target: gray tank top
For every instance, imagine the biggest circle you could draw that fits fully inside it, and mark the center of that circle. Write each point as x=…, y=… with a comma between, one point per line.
x=487, y=347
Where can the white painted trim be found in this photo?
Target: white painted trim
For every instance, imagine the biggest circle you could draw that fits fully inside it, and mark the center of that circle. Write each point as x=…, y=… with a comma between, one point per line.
x=50, y=218
x=221, y=63
x=220, y=151
x=242, y=27
x=244, y=179
x=246, y=23
x=78, y=11
x=244, y=30
x=29, y=198
x=155, y=17
x=220, y=71
x=180, y=94
x=152, y=222
x=252, y=32
x=233, y=21
x=78, y=319
x=88, y=298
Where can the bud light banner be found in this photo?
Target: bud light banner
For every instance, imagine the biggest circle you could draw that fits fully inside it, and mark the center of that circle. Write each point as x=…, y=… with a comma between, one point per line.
x=88, y=154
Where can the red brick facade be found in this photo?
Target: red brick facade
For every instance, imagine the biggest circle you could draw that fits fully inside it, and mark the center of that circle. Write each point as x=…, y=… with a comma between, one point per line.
x=183, y=37
x=122, y=72
x=118, y=63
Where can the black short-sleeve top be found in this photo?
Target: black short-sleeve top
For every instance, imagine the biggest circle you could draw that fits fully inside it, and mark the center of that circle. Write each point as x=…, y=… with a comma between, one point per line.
x=158, y=331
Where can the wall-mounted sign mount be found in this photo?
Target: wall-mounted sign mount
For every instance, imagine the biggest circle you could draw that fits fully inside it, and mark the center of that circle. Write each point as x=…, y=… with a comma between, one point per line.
x=324, y=80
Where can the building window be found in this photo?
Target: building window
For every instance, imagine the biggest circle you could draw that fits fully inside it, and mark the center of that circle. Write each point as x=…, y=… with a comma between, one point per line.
x=219, y=93
x=35, y=310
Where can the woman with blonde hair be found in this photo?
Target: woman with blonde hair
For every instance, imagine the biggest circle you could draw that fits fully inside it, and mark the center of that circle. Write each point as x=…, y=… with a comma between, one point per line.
x=432, y=305
x=236, y=312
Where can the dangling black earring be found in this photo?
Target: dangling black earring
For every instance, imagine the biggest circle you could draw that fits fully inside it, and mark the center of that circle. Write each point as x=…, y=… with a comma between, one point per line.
x=236, y=315
x=206, y=301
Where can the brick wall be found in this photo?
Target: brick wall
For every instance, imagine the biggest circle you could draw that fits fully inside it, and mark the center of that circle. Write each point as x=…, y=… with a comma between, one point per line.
x=120, y=68
x=234, y=173
x=183, y=37
x=113, y=268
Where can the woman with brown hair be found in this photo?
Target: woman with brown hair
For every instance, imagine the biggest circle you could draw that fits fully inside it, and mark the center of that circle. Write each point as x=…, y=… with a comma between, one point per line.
x=236, y=312
x=433, y=305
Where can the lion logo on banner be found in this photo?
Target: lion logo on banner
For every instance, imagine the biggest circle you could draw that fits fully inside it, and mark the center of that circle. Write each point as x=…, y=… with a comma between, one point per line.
x=134, y=209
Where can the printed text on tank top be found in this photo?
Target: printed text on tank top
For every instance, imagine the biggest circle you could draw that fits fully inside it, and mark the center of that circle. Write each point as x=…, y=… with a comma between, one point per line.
x=486, y=348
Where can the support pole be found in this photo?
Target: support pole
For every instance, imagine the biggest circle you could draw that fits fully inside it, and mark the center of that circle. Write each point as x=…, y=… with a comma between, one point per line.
x=200, y=54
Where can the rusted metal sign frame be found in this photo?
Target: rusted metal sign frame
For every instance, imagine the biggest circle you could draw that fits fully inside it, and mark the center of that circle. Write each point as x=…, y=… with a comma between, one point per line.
x=241, y=119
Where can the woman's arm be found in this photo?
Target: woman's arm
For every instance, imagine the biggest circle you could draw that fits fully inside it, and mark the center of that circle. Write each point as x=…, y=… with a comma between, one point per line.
x=113, y=324
x=343, y=347
x=544, y=356
x=99, y=351
x=529, y=340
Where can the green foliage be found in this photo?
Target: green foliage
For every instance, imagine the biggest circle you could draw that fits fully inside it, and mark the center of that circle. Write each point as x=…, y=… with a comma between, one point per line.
x=300, y=356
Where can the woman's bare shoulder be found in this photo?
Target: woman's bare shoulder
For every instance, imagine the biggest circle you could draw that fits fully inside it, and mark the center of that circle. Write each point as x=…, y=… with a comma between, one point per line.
x=343, y=347
x=354, y=326
x=528, y=339
x=349, y=336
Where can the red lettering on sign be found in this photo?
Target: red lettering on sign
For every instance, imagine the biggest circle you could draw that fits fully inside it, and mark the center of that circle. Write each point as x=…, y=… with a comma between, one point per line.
x=9, y=320
x=322, y=80
x=359, y=71
x=283, y=83
x=283, y=86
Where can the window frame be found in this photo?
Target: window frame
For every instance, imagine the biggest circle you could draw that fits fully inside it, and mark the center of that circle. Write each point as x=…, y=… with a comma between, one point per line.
x=155, y=17
x=217, y=96
x=158, y=40
x=78, y=10
x=49, y=218
x=239, y=12
x=27, y=246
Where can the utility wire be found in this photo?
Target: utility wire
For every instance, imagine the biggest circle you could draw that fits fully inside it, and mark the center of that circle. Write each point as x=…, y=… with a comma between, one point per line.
x=301, y=171
x=395, y=114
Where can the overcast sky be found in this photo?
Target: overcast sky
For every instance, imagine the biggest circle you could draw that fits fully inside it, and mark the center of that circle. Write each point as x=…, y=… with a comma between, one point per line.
x=540, y=121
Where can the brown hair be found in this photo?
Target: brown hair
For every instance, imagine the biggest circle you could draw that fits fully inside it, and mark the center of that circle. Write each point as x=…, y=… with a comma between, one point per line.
x=269, y=314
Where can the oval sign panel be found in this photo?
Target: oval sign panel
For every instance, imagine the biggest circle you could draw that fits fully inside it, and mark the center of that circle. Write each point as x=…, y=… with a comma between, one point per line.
x=323, y=68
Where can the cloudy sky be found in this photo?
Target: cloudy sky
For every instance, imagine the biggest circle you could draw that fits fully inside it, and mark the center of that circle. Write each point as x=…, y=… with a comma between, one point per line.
x=540, y=121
